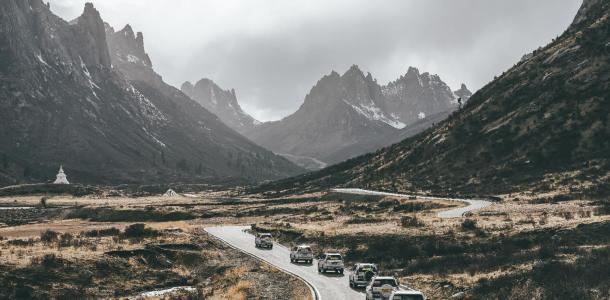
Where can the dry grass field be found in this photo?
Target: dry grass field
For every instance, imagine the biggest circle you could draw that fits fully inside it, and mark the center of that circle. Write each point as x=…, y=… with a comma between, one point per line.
x=487, y=254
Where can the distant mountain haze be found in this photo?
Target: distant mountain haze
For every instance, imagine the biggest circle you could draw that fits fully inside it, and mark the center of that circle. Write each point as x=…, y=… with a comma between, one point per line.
x=79, y=94
x=222, y=103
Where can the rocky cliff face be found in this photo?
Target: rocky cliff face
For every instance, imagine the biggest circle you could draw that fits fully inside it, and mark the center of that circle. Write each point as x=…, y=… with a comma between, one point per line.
x=222, y=103
x=543, y=125
x=62, y=102
x=414, y=96
x=351, y=114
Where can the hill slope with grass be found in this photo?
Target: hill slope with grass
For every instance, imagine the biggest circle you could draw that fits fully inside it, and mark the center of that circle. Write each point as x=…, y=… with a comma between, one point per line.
x=542, y=125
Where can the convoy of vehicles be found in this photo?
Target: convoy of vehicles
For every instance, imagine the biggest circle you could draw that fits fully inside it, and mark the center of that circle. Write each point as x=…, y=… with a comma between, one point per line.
x=264, y=240
x=330, y=262
x=301, y=253
x=367, y=274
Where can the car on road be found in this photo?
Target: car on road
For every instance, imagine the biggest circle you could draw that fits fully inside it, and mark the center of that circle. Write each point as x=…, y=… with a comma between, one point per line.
x=330, y=262
x=301, y=253
x=361, y=274
x=381, y=287
x=407, y=294
x=263, y=240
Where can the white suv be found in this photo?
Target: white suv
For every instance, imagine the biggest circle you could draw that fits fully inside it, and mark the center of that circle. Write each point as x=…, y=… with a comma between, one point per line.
x=301, y=253
x=361, y=274
x=381, y=287
x=263, y=240
x=330, y=261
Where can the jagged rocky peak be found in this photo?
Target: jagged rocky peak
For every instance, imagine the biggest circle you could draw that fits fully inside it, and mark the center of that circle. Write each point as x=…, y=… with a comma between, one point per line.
x=95, y=48
x=187, y=88
x=463, y=93
x=128, y=47
x=223, y=103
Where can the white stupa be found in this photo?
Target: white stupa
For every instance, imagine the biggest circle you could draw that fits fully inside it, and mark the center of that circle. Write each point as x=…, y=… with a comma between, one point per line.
x=61, y=177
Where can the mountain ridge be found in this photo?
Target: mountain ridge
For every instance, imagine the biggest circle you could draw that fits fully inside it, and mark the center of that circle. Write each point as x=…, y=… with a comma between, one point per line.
x=351, y=114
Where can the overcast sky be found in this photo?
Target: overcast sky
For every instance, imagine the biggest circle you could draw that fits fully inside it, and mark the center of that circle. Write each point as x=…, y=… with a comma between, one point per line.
x=273, y=51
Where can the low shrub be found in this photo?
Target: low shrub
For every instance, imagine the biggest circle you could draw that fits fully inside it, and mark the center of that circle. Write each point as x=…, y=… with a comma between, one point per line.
x=410, y=221
x=102, y=232
x=139, y=230
x=49, y=236
x=469, y=224
x=364, y=220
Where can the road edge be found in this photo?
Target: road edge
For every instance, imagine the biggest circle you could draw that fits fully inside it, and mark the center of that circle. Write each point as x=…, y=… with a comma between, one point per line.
x=314, y=292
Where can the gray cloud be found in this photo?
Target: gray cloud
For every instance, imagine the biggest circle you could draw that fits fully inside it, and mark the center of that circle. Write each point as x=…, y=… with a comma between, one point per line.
x=273, y=51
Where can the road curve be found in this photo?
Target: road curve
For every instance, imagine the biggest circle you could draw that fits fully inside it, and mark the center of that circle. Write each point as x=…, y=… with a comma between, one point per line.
x=327, y=286
x=452, y=213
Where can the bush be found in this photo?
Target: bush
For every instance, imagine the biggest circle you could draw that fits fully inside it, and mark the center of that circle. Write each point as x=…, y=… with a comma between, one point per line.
x=364, y=220
x=47, y=261
x=139, y=230
x=469, y=224
x=49, y=236
x=410, y=221
x=102, y=232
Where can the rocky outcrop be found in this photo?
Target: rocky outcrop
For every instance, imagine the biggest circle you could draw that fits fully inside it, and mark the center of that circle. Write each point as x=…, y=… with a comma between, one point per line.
x=414, y=96
x=222, y=103
x=463, y=93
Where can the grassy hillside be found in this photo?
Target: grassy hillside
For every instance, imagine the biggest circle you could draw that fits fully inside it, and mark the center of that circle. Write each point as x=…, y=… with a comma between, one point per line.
x=542, y=125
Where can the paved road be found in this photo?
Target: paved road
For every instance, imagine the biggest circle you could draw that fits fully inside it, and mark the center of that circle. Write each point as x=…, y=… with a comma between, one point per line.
x=328, y=286
x=452, y=213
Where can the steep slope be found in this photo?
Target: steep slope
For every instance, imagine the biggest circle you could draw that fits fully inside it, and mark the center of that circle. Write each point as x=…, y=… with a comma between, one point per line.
x=349, y=115
x=63, y=102
x=542, y=125
x=222, y=103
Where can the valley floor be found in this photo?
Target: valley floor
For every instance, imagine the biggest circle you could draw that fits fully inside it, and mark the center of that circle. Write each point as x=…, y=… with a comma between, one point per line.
x=124, y=246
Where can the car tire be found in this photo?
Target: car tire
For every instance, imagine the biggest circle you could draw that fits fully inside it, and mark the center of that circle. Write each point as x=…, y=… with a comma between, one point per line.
x=341, y=271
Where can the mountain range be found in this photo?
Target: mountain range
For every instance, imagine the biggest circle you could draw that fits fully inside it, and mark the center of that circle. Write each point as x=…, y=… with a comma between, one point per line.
x=347, y=115
x=79, y=94
x=543, y=125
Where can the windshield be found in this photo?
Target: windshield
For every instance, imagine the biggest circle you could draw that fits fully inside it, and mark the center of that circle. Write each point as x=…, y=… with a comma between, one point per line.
x=408, y=297
x=334, y=257
x=304, y=250
x=265, y=237
x=380, y=282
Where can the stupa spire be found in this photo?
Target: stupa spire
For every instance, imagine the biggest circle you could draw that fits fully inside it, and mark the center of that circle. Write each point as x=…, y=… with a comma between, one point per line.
x=61, y=177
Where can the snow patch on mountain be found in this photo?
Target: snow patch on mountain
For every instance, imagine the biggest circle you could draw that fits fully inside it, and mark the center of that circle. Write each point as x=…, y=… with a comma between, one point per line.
x=374, y=113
